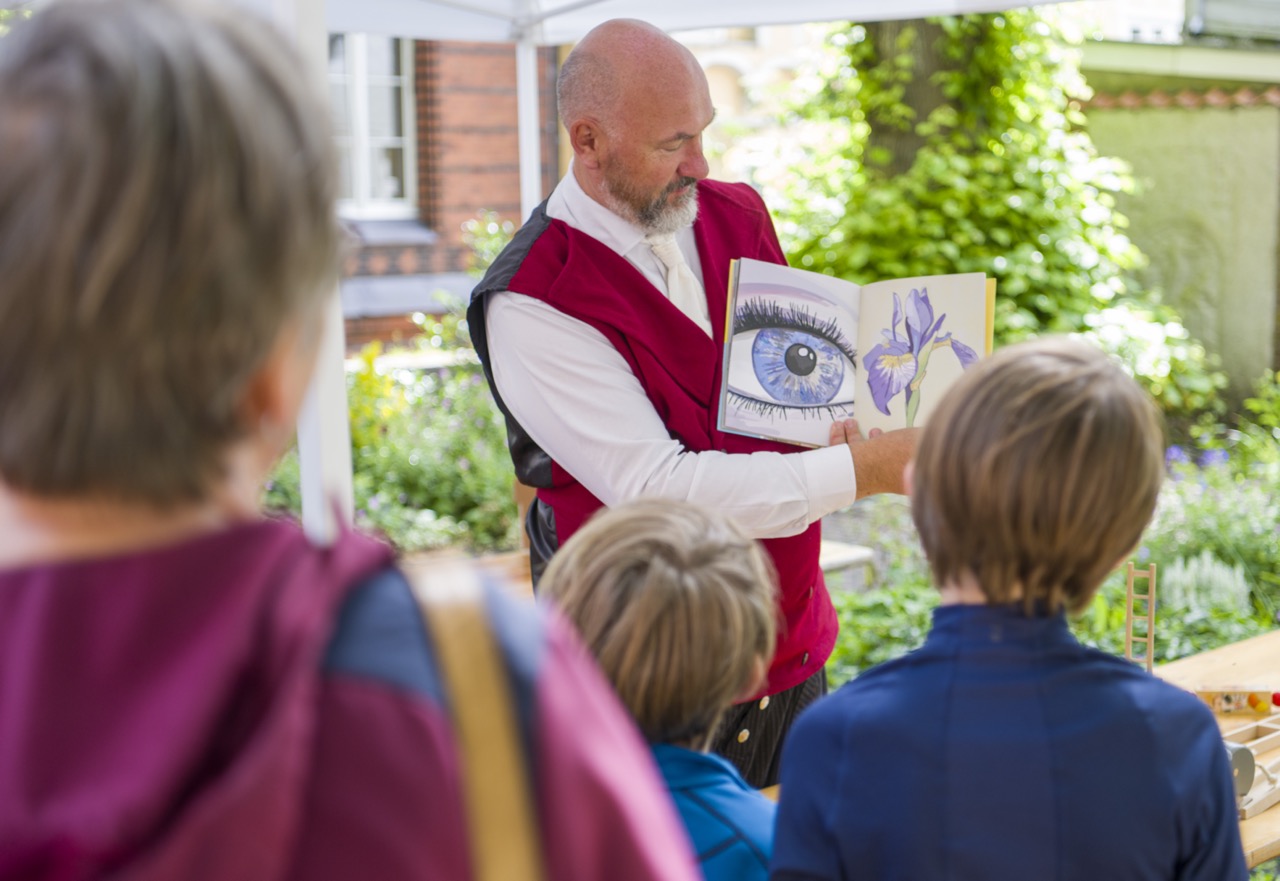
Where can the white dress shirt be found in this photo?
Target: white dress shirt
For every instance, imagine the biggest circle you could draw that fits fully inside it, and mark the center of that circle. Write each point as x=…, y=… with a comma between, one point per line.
x=579, y=401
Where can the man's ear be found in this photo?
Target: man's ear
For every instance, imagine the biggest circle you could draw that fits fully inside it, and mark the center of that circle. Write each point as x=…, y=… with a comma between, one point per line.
x=585, y=137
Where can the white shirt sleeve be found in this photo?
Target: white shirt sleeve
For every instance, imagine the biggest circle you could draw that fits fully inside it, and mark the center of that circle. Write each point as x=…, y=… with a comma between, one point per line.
x=578, y=399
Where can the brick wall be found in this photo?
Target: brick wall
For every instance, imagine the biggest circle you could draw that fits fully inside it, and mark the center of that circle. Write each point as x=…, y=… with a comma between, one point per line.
x=468, y=159
x=467, y=114
x=385, y=329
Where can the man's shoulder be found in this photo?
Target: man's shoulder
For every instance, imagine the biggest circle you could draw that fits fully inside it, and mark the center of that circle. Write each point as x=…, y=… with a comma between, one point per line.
x=542, y=234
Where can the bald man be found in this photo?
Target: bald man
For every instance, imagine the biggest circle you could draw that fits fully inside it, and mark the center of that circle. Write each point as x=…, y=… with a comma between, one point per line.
x=600, y=329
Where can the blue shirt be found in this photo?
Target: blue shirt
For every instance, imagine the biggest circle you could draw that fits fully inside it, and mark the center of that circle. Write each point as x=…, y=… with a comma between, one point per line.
x=731, y=824
x=1004, y=749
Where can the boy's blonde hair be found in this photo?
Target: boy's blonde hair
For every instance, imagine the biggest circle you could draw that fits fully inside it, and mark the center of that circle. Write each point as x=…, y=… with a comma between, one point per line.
x=676, y=603
x=167, y=182
x=1037, y=473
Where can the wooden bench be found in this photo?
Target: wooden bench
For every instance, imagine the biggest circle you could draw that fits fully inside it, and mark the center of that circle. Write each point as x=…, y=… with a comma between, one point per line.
x=837, y=558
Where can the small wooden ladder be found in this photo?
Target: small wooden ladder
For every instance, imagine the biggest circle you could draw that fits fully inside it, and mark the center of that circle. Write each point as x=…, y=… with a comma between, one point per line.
x=1132, y=616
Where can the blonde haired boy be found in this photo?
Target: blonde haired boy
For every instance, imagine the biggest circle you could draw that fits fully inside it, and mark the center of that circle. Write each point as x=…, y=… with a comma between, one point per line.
x=677, y=604
x=1002, y=748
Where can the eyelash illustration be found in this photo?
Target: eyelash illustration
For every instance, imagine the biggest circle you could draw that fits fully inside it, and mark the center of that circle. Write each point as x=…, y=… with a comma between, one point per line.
x=760, y=314
x=805, y=387
x=828, y=412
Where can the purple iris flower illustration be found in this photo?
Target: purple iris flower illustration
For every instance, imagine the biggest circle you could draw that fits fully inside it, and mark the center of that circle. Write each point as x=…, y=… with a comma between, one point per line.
x=898, y=364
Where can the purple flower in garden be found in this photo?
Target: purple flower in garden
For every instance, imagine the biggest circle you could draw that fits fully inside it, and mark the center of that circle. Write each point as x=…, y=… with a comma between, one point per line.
x=1213, y=458
x=1175, y=455
x=898, y=364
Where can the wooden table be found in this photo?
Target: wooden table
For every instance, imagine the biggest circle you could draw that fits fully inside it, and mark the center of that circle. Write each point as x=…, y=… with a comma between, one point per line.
x=1252, y=663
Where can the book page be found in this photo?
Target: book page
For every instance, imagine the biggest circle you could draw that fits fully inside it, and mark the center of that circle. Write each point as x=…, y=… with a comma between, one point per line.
x=917, y=336
x=789, y=354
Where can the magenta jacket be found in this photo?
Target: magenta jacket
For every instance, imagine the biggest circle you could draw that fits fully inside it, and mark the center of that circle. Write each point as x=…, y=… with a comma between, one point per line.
x=244, y=706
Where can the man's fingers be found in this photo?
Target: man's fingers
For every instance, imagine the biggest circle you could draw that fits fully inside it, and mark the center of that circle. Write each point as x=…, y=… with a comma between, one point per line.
x=845, y=431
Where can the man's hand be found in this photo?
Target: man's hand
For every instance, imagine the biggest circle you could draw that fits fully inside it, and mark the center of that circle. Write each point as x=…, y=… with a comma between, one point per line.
x=878, y=461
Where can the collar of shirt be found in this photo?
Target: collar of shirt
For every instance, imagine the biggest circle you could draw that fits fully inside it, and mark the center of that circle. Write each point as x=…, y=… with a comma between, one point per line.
x=993, y=625
x=571, y=204
x=684, y=768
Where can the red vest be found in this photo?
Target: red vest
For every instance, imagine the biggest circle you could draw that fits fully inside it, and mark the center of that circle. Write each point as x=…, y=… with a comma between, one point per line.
x=679, y=367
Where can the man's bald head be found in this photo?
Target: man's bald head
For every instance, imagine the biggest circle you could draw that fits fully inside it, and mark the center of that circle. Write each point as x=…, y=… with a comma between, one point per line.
x=635, y=103
x=620, y=66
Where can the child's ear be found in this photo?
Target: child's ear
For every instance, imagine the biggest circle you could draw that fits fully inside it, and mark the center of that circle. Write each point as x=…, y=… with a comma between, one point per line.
x=908, y=476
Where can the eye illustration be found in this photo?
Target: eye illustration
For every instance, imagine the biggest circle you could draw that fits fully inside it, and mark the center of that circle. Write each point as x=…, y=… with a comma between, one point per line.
x=799, y=363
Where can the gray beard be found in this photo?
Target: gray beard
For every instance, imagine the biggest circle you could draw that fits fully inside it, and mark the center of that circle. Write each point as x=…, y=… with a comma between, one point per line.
x=662, y=218
x=657, y=216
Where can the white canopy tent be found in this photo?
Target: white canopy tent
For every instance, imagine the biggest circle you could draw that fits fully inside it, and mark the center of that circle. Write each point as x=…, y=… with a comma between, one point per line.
x=323, y=431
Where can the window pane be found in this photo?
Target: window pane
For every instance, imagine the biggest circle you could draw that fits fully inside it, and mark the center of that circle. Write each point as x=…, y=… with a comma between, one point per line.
x=337, y=54
x=386, y=173
x=386, y=111
x=346, y=189
x=384, y=56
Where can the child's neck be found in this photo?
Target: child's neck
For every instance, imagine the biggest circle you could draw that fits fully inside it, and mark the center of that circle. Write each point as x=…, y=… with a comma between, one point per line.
x=962, y=591
x=37, y=530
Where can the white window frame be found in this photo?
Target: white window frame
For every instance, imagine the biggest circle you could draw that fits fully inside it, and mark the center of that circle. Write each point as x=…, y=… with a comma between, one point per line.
x=360, y=142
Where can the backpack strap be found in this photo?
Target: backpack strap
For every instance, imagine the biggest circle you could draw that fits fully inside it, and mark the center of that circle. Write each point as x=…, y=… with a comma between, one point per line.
x=501, y=828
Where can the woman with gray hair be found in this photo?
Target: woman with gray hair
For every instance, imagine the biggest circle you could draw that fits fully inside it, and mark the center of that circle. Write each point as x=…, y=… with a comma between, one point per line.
x=188, y=690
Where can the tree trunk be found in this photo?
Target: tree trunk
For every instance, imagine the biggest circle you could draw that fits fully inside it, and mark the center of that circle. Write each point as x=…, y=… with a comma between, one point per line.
x=921, y=94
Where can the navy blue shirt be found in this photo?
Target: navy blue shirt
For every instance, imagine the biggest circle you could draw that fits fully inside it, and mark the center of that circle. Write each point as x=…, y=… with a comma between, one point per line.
x=731, y=824
x=1004, y=749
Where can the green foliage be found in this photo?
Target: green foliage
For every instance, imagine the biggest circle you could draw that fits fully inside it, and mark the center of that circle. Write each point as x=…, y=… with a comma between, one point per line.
x=1184, y=581
x=878, y=625
x=428, y=444
x=1268, y=871
x=1157, y=350
x=428, y=449
x=1235, y=517
x=1005, y=181
x=486, y=236
x=1251, y=441
x=1194, y=617
x=894, y=615
x=1265, y=404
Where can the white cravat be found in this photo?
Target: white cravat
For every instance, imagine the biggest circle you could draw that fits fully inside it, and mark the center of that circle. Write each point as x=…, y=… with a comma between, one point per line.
x=683, y=287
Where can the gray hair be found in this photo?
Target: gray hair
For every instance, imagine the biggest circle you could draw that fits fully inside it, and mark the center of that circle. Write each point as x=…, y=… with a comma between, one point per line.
x=587, y=86
x=166, y=209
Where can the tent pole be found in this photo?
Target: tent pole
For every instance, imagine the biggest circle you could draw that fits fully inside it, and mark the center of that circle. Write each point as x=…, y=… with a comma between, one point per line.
x=324, y=430
x=528, y=124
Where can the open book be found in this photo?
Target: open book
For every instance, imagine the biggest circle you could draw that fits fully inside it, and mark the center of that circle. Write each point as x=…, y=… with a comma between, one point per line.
x=804, y=349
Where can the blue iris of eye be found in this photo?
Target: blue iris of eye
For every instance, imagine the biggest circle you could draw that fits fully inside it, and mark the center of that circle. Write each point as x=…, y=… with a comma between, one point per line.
x=797, y=368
